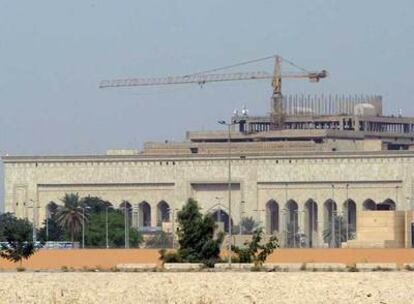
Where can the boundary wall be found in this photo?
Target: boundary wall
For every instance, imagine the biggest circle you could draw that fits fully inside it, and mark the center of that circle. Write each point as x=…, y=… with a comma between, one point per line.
x=50, y=259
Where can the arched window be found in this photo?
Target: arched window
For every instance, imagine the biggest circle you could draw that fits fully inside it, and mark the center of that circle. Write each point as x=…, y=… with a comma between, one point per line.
x=292, y=225
x=272, y=217
x=369, y=204
x=349, y=208
x=163, y=213
x=386, y=205
x=221, y=217
x=144, y=214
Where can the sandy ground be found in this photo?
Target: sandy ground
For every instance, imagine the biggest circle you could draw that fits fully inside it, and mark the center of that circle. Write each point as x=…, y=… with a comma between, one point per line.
x=246, y=287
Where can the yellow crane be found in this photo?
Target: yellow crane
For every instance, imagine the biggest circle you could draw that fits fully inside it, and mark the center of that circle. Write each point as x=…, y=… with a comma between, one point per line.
x=277, y=112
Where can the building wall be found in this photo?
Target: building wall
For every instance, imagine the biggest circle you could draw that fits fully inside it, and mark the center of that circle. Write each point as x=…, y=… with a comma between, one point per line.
x=256, y=180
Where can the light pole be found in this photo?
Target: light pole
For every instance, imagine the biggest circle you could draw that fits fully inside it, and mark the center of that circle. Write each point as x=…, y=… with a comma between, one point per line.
x=347, y=212
x=222, y=122
x=333, y=217
x=284, y=211
x=34, y=225
x=241, y=217
x=126, y=225
x=232, y=122
x=296, y=227
x=106, y=228
x=47, y=223
x=83, y=225
x=172, y=215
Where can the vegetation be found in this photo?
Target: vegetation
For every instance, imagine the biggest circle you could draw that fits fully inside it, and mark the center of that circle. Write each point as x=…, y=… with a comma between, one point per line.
x=159, y=240
x=17, y=239
x=95, y=234
x=248, y=225
x=254, y=251
x=294, y=239
x=195, y=237
x=71, y=215
x=340, y=232
x=51, y=230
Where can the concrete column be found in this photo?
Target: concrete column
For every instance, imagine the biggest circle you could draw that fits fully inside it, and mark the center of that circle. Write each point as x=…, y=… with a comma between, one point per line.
x=153, y=215
x=301, y=221
x=282, y=227
x=321, y=221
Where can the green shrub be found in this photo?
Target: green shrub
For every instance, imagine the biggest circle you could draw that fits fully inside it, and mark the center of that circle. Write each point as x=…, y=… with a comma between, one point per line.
x=254, y=252
x=195, y=237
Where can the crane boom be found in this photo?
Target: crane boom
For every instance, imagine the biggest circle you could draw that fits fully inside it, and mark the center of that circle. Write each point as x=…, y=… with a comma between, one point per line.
x=201, y=79
x=186, y=79
x=277, y=112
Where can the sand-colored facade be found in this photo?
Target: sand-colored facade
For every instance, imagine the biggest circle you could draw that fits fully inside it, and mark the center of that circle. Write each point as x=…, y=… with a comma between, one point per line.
x=263, y=186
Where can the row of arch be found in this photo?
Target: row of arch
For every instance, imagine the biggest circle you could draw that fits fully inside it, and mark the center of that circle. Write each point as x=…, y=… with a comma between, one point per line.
x=163, y=212
x=290, y=212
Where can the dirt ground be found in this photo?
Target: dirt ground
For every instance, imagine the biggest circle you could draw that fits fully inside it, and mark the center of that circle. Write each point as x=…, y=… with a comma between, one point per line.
x=202, y=287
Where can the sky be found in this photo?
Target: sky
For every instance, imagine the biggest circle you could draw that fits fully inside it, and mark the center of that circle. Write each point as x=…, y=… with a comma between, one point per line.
x=54, y=53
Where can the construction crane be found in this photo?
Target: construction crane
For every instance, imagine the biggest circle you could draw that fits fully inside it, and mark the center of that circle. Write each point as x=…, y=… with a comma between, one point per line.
x=201, y=78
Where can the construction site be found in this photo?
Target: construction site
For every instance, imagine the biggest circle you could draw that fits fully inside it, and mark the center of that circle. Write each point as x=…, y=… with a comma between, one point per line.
x=311, y=162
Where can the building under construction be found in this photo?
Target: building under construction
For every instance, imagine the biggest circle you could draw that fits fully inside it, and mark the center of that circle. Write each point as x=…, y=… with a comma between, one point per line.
x=310, y=123
x=312, y=160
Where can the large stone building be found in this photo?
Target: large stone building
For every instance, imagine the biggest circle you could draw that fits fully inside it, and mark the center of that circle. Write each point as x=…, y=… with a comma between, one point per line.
x=340, y=160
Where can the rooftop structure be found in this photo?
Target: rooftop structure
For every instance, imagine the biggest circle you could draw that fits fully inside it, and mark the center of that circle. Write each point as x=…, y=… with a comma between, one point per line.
x=311, y=124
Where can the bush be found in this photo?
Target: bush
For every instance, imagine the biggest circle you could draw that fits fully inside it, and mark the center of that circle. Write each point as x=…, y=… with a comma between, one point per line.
x=352, y=268
x=195, y=237
x=170, y=257
x=254, y=252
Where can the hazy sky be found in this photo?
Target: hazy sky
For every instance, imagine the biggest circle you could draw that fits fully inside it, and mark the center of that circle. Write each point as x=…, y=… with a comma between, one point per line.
x=53, y=54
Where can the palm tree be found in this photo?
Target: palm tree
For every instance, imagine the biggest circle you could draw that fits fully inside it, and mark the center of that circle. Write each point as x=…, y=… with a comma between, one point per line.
x=339, y=232
x=70, y=216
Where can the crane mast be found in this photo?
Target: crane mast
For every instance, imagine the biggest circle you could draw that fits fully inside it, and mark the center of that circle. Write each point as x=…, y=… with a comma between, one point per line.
x=277, y=112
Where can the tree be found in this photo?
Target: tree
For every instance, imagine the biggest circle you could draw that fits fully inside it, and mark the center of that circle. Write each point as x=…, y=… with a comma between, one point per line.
x=70, y=216
x=95, y=235
x=54, y=233
x=195, y=237
x=95, y=204
x=254, y=251
x=17, y=240
x=248, y=225
x=294, y=238
x=51, y=230
x=340, y=230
